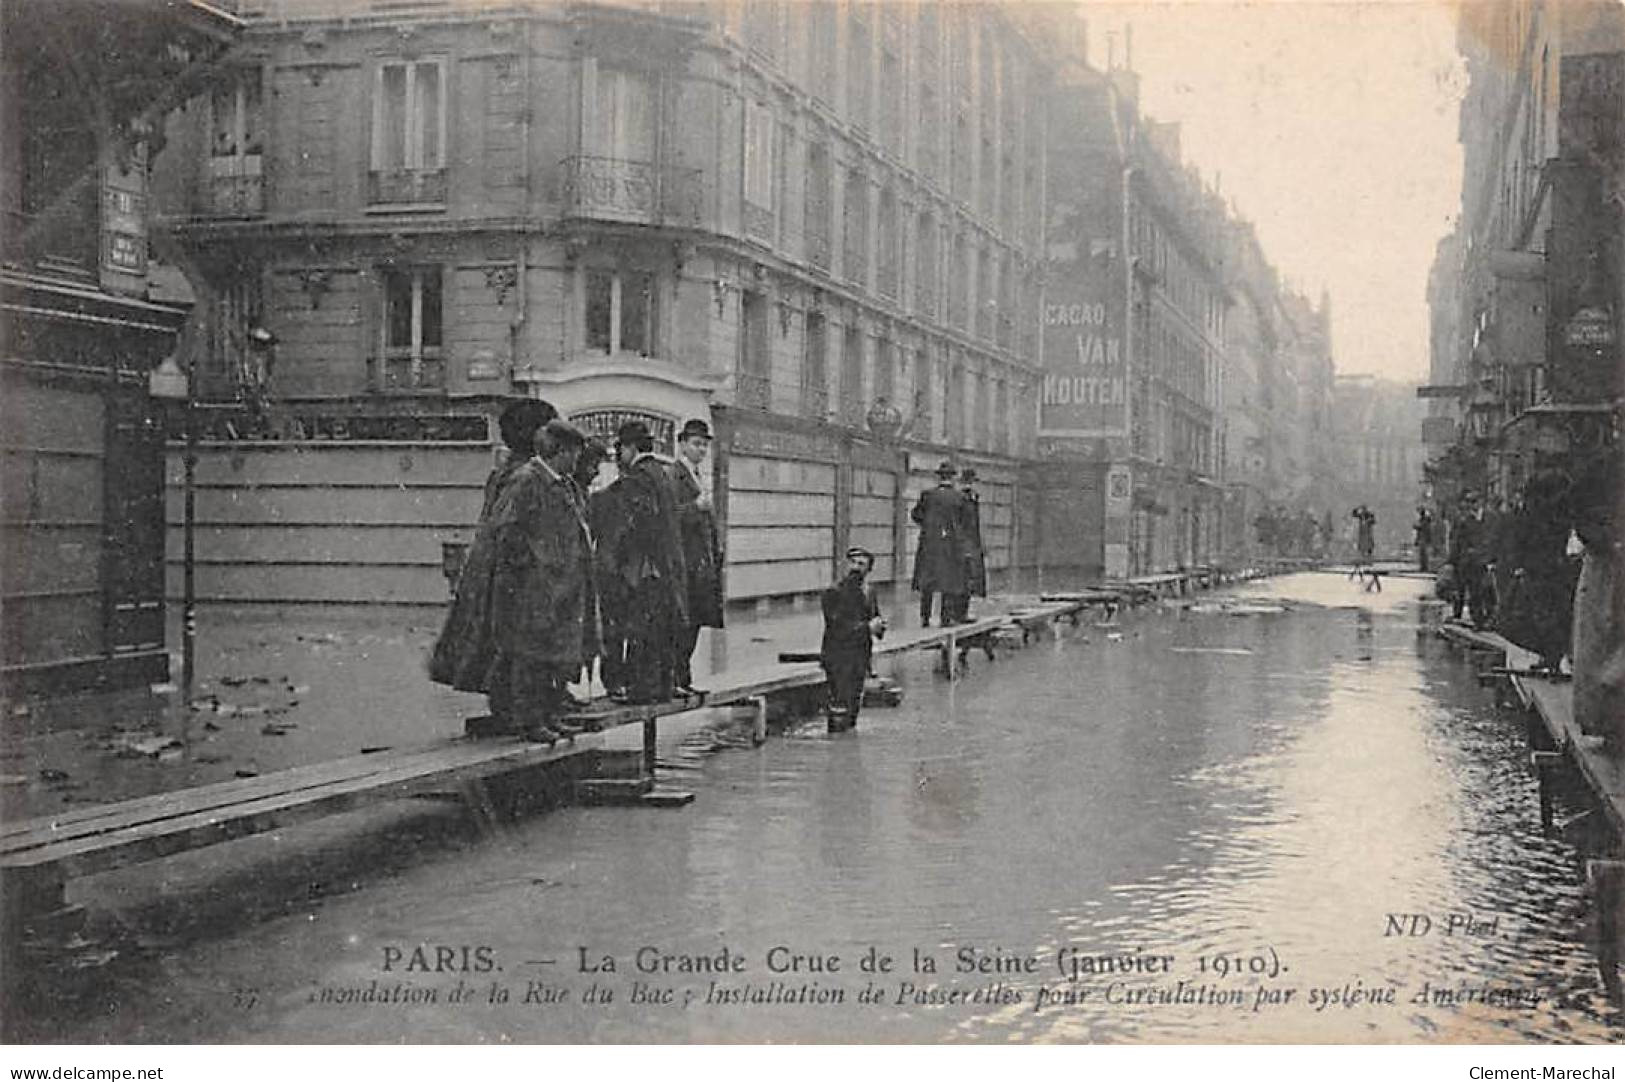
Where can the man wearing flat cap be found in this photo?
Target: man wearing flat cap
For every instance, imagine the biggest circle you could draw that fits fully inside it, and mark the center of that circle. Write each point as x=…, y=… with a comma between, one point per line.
x=852, y=622
x=970, y=535
x=702, y=555
x=642, y=568
x=939, y=560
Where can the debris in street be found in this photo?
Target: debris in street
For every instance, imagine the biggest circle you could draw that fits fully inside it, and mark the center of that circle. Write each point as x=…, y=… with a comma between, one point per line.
x=138, y=745
x=246, y=772
x=51, y=774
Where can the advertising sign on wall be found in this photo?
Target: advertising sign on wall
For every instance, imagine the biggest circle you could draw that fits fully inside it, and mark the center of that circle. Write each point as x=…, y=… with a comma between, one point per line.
x=1085, y=389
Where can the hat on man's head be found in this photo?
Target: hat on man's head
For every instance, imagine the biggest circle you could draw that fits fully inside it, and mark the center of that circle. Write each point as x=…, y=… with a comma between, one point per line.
x=967, y=475
x=520, y=421
x=946, y=470
x=859, y=550
x=564, y=433
x=634, y=434
x=695, y=427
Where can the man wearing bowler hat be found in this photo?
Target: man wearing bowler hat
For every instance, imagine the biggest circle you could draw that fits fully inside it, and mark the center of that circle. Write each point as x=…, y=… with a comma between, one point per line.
x=642, y=557
x=702, y=555
x=939, y=561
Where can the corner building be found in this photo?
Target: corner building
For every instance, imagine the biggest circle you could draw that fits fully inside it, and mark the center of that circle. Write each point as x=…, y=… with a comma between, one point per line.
x=816, y=225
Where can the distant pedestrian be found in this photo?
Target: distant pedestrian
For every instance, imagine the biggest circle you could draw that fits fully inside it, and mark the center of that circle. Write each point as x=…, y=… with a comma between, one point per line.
x=1423, y=532
x=643, y=559
x=1471, y=538
x=462, y=655
x=939, y=561
x=702, y=554
x=852, y=623
x=970, y=535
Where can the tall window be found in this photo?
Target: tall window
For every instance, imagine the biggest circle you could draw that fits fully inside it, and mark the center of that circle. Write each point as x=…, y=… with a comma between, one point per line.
x=236, y=144
x=922, y=423
x=814, y=367
x=624, y=117
x=954, y=401
x=755, y=362
x=409, y=133
x=823, y=50
x=855, y=245
x=1001, y=417
x=620, y=311
x=818, y=204
x=958, y=283
x=891, y=100
x=859, y=62
x=885, y=370
x=888, y=258
x=412, y=330
x=760, y=133
x=925, y=266
x=851, y=412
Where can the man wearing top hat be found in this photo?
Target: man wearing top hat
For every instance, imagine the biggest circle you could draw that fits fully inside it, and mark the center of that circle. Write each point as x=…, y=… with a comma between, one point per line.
x=970, y=535
x=939, y=560
x=642, y=569
x=852, y=622
x=702, y=555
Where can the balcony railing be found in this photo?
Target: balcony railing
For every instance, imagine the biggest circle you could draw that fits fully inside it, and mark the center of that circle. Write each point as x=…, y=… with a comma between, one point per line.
x=815, y=401
x=403, y=373
x=755, y=390
x=621, y=190
x=406, y=186
x=236, y=196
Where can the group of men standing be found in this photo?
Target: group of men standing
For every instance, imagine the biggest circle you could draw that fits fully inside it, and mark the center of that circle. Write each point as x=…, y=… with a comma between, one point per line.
x=950, y=559
x=560, y=575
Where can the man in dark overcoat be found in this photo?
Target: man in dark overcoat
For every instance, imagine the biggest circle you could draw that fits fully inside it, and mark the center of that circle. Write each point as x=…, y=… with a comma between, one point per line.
x=462, y=654
x=1472, y=539
x=702, y=555
x=970, y=533
x=939, y=561
x=852, y=622
x=643, y=559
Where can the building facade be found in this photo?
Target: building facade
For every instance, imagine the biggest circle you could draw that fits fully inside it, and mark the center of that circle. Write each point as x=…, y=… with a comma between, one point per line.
x=817, y=226
x=85, y=319
x=1526, y=292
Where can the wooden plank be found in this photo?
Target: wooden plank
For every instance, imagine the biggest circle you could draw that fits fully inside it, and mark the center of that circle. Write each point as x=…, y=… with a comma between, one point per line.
x=223, y=796
x=88, y=855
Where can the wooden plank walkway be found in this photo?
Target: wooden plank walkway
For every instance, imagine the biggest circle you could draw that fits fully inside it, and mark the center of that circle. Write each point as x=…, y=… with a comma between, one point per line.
x=102, y=837
x=1553, y=702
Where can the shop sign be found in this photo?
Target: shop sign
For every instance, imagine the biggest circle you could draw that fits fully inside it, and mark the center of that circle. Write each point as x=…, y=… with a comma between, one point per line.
x=1589, y=328
x=605, y=423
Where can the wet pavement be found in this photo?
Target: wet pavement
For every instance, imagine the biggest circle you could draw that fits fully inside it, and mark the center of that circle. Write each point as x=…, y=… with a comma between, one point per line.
x=1282, y=812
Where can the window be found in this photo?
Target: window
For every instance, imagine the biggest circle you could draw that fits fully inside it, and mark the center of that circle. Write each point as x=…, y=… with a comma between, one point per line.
x=814, y=378
x=922, y=419
x=624, y=122
x=620, y=312
x=760, y=133
x=961, y=152
x=755, y=362
x=928, y=135
x=851, y=412
x=1001, y=417
x=958, y=275
x=891, y=101
x=409, y=134
x=885, y=370
x=859, y=61
x=236, y=144
x=954, y=404
x=818, y=205
x=823, y=50
x=887, y=256
x=925, y=266
x=412, y=331
x=855, y=251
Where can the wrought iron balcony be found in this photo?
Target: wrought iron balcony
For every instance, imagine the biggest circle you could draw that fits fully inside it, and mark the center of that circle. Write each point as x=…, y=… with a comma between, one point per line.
x=755, y=390
x=620, y=190
x=402, y=373
x=236, y=196
x=406, y=186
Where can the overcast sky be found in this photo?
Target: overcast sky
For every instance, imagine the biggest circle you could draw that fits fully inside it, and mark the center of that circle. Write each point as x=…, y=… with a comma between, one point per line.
x=1332, y=125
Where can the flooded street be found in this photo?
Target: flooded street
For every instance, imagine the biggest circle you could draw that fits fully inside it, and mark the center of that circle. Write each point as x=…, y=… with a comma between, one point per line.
x=1293, y=818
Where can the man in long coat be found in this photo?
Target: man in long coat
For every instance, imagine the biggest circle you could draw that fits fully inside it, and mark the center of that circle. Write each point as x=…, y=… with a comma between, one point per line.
x=643, y=559
x=970, y=533
x=702, y=555
x=939, y=561
x=1472, y=539
x=462, y=655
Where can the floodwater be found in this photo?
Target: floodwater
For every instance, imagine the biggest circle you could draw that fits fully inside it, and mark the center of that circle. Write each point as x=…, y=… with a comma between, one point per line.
x=1285, y=813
